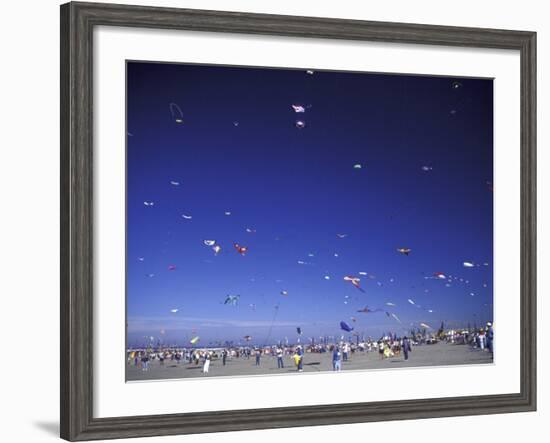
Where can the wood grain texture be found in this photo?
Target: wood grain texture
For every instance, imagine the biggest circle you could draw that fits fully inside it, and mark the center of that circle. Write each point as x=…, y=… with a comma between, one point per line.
x=77, y=23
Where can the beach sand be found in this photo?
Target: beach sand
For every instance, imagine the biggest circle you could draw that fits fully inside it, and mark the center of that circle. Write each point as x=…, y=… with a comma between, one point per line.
x=440, y=354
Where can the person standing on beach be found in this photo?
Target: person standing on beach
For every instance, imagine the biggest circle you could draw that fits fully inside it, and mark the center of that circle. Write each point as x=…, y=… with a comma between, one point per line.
x=490, y=336
x=224, y=356
x=258, y=355
x=280, y=363
x=206, y=365
x=406, y=347
x=345, y=351
x=381, y=349
x=300, y=353
x=297, y=360
x=145, y=361
x=336, y=359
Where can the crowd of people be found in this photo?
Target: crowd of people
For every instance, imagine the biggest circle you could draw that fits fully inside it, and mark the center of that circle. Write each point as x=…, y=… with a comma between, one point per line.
x=389, y=346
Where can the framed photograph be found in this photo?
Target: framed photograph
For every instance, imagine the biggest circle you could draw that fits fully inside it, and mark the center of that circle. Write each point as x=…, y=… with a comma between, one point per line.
x=273, y=221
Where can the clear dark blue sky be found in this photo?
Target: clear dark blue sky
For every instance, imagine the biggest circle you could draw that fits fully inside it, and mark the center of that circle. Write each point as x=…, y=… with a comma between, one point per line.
x=298, y=189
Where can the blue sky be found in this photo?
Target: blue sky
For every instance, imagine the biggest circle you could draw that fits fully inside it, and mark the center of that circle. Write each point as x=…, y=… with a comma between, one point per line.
x=238, y=149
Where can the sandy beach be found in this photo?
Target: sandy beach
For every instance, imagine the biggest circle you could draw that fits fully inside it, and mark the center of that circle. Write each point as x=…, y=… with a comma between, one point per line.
x=440, y=354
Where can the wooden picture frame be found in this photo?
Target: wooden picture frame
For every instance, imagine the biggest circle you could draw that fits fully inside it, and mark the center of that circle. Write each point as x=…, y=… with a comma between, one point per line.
x=77, y=23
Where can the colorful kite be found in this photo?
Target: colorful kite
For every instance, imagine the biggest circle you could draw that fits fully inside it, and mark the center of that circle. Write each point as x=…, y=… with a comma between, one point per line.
x=240, y=249
x=232, y=300
x=345, y=327
x=354, y=281
x=177, y=115
x=404, y=251
x=367, y=310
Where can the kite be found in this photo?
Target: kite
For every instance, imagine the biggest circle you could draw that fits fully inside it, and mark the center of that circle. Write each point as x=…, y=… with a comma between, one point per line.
x=250, y=230
x=253, y=306
x=177, y=115
x=354, y=281
x=247, y=337
x=396, y=317
x=336, y=254
x=301, y=262
x=404, y=251
x=468, y=264
x=174, y=183
x=150, y=275
x=345, y=327
x=187, y=217
x=327, y=277
x=300, y=124
x=171, y=267
x=357, y=166
x=235, y=123
x=411, y=301
x=390, y=304
x=141, y=258
x=299, y=331
x=440, y=275
x=311, y=254
x=216, y=249
x=456, y=85
x=298, y=108
x=149, y=203
x=232, y=300
x=310, y=72
x=362, y=273
x=194, y=340
x=366, y=310
x=341, y=235
x=427, y=168
x=174, y=311
x=240, y=249
x=284, y=293
x=228, y=213
x=424, y=325
x=209, y=242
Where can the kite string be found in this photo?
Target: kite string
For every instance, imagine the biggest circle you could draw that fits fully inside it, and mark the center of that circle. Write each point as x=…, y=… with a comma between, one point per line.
x=271, y=326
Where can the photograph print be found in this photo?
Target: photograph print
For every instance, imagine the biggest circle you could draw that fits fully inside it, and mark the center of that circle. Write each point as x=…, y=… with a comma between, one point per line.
x=293, y=221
